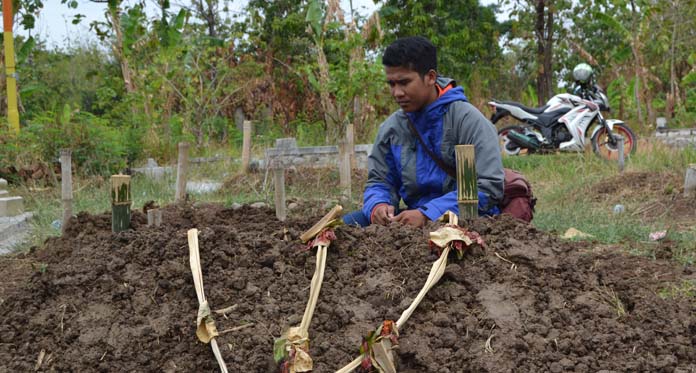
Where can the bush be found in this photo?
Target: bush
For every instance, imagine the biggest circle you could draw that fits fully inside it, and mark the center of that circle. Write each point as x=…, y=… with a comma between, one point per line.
x=96, y=147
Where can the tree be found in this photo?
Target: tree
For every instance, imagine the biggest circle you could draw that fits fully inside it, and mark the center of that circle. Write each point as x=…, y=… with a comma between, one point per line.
x=465, y=32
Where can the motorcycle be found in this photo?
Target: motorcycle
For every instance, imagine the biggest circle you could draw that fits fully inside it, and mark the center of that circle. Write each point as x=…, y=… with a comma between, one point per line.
x=563, y=124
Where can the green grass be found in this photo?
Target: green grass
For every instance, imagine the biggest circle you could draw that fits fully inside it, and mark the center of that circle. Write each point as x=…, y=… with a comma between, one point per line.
x=563, y=184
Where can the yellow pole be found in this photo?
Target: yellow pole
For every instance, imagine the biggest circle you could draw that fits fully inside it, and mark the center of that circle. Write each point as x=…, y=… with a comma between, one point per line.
x=8, y=40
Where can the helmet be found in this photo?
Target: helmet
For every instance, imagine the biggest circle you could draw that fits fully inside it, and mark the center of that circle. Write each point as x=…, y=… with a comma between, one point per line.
x=582, y=73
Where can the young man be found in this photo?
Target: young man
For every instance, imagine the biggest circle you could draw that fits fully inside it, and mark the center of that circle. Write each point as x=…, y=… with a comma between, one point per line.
x=399, y=168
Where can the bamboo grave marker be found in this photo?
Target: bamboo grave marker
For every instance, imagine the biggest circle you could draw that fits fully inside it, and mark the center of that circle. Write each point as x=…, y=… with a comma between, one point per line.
x=205, y=325
x=246, y=145
x=284, y=148
x=467, y=188
x=620, y=145
x=690, y=180
x=344, y=170
x=381, y=352
x=154, y=217
x=120, y=202
x=350, y=138
x=181, y=170
x=279, y=192
x=294, y=343
x=66, y=186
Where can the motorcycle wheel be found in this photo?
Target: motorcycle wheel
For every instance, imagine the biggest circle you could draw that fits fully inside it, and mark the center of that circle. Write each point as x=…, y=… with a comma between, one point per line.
x=605, y=149
x=507, y=146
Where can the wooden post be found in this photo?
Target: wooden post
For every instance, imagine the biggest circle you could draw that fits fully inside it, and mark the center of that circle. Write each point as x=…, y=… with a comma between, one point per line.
x=246, y=145
x=182, y=166
x=620, y=146
x=690, y=180
x=66, y=186
x=279, y=193
x=344, y=171
x=467, y=188
x=154, y=217
x=120, y=203
x=350, y=143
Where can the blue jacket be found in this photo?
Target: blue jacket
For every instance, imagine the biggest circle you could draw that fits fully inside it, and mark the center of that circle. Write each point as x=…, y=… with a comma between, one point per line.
x=400, y=169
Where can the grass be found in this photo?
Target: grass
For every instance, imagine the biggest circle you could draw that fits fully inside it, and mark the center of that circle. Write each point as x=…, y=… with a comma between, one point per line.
x=685, y=290
x=565, y=185
x=566, y=188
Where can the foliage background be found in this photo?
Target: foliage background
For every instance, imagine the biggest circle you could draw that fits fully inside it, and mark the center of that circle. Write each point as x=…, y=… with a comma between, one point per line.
x=306, y=68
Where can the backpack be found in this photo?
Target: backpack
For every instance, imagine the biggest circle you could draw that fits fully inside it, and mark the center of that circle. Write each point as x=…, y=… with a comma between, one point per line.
x=518, y=199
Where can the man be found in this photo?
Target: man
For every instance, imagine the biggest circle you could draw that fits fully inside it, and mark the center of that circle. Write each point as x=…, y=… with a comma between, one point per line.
x=400, y=168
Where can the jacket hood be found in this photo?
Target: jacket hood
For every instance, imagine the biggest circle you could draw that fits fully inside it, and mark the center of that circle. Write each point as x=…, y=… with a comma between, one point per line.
x=450, y=92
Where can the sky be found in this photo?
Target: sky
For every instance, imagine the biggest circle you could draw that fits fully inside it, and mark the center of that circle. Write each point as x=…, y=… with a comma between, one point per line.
x=54, y=24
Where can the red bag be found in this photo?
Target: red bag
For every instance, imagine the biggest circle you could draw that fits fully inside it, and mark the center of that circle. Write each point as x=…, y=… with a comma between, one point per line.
x=518, y=199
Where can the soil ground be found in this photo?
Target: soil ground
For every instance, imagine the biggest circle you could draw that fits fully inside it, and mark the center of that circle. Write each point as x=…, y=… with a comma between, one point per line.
x=96, y=301
x=652, y=195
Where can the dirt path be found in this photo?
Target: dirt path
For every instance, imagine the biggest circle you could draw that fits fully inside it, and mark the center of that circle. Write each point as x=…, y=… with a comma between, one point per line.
x=94, y=301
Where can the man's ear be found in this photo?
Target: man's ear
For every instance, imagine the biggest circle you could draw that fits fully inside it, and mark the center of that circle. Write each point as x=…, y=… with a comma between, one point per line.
x=430, y=77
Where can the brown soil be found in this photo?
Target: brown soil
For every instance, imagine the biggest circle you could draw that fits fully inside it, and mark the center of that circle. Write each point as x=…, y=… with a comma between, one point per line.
x=97, y=301
x=651, y=196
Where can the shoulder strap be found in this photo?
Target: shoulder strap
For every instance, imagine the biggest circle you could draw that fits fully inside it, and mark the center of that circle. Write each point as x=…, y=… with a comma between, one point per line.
x=440, y=163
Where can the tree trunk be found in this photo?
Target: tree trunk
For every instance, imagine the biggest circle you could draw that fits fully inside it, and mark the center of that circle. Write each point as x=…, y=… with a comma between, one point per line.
x=543, y=30
x=114, y=15
x=638, y=66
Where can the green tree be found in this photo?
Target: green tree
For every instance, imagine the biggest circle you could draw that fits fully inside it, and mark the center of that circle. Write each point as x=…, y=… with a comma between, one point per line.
x=465, y=32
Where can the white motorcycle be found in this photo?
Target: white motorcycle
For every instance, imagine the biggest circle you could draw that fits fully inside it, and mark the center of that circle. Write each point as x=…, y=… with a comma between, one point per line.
x=563, y=124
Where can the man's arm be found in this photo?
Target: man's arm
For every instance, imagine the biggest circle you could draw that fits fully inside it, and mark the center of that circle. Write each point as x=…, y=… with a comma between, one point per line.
x=382, y=180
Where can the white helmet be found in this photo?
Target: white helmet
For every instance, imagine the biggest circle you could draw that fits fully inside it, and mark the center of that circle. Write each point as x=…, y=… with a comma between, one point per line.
x=582, y=73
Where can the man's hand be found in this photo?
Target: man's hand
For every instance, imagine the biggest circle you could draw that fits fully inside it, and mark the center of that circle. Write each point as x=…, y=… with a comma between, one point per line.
x=414, y=218
x=382, y=214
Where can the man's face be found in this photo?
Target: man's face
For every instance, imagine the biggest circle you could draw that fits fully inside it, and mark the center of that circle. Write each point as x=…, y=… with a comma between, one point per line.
x=409, y=90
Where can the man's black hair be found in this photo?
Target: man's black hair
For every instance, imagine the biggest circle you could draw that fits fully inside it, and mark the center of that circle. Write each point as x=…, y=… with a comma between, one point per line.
x=414, y=52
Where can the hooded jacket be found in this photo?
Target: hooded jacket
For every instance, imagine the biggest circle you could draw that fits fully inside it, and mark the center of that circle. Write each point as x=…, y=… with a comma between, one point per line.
x=400, y=169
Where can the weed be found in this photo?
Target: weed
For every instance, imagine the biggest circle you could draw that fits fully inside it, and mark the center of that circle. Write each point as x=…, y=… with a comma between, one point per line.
x=687, y=290
x=609, y=296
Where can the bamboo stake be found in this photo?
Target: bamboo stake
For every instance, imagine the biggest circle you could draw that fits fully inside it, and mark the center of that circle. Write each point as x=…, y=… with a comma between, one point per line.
x=279, y=192
x=181, y=169
x=620, y=146
x=384, y=346
x=350, y=138
x=344, y=165
x=467, y=189
x=120, y=203
x=436, y=272
x=690, y=180
x=195, y=261
x=246, y=145
x=297, y=338
x=314, y=289
x=66, y=186
x=154, y=217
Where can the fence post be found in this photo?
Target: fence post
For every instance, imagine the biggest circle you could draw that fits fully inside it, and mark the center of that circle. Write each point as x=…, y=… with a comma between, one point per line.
x=66, y=186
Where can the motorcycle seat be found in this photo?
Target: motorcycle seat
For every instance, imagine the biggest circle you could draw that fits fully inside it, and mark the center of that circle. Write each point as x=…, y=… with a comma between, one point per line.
x=531, y=110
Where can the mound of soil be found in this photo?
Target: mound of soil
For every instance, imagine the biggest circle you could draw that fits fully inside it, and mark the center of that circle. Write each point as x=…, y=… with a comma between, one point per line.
x=97, y=301
x=651, y=195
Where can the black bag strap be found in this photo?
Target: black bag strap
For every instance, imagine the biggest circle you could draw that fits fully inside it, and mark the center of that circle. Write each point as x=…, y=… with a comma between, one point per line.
x=440, y=163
